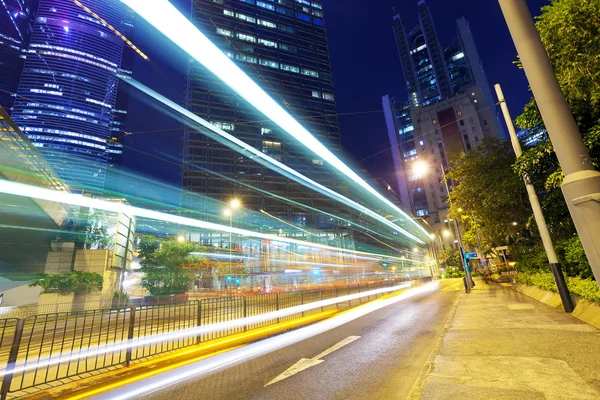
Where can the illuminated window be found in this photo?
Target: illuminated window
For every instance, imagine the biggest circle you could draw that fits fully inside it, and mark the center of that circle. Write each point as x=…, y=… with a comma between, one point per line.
x=247, y=38
x=265, y=5
x=244, y=17
x=228, y=13
x=290, y=68
x=266, y=23
x=224, y=32
x=267, y=43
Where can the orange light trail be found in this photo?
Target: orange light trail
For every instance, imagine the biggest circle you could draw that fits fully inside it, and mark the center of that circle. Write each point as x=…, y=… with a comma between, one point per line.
x=115, y=31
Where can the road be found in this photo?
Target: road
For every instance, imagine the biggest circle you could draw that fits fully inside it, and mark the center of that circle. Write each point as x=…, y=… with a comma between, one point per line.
x=384, y=353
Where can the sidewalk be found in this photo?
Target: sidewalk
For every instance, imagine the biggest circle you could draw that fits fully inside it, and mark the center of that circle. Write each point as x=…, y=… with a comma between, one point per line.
x=499, y=344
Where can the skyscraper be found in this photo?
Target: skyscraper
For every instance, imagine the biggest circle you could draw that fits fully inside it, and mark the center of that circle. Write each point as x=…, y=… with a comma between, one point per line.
x=449, y=109
x=283, y=47
x=15, y=27
x=68, y=88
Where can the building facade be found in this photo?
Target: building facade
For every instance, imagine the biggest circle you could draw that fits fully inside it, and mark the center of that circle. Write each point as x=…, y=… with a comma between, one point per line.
x=283, y=47
x=16, y=17
x=449, y=110
x=68, y=87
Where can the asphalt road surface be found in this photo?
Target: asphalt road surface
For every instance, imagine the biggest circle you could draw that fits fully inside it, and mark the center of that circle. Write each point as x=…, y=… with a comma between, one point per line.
x=378, y=356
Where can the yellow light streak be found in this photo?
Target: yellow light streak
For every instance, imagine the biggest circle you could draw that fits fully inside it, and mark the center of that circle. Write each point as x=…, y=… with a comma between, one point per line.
x=112, y=28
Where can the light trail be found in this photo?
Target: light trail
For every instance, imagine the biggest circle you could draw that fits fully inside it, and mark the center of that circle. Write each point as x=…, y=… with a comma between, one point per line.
x=174, y=25
x=112, y=28
x=264, y=159
x=29, y=191
x=249, y=352
x=287, y=223
x=200, y=330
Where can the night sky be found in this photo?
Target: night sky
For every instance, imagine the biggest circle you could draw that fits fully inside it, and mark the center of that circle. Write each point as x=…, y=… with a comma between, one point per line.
x=365, y=65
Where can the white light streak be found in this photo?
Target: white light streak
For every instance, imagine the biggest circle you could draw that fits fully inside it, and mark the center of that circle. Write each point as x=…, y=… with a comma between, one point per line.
x=23, y=190
x=169, y=21
x=261, y=156
x=207, y=366
x=200, y=330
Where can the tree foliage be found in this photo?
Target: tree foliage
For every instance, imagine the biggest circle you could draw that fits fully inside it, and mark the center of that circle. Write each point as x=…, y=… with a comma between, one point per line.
x=569, y=30
x=69, y=282
x=452, y=258
x=90, y=231
x=165, y=265
x=487, y=195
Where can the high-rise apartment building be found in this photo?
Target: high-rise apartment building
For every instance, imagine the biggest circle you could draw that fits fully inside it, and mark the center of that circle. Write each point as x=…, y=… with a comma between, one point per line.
x=281, y=45
x=68, y=87
x=15, y=28
x=449, y=109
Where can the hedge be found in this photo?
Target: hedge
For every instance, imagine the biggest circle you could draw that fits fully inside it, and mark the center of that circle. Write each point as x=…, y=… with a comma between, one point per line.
x=586, y=288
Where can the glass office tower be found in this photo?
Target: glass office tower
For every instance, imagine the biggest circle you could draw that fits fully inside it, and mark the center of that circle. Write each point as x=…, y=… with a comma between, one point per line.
x=15, y=26
x=68, y=88
x=282, y=46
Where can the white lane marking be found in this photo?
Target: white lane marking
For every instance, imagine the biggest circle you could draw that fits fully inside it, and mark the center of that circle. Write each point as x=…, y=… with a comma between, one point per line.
x=306, y=363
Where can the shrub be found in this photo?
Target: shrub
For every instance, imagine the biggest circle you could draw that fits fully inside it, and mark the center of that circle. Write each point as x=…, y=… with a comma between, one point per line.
x=455, y=275
x=586, y=288
x=69, y=282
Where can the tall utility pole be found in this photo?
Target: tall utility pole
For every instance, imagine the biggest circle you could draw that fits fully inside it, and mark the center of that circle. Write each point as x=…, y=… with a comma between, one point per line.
x=465, y=263
x=581, y=185
x=537, y=212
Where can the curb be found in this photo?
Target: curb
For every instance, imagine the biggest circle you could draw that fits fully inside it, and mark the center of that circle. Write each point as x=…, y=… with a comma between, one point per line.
x=419, y=385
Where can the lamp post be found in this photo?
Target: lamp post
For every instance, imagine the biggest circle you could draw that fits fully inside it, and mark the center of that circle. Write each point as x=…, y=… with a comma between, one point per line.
x=581, y=185
x=234, y=204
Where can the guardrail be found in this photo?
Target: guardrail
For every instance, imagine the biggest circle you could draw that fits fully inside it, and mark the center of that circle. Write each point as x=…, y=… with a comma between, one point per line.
x=24, y=341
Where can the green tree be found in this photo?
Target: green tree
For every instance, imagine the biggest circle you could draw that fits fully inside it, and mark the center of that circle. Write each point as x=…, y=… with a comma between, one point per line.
x=569, y=30
x=167, y=266
x=452, y=258
x=77, y=282
x=487, y=195
x=89, y=231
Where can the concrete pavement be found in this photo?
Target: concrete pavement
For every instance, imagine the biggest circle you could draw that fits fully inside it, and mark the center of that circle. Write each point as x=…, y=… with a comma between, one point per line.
x=499, y=344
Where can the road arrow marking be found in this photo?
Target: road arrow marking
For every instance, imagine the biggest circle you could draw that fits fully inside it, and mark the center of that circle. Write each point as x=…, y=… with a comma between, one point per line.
x=306, y=363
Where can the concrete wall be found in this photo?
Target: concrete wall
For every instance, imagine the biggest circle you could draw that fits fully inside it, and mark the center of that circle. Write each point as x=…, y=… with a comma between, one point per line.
x=20, y=295
x=94, y=261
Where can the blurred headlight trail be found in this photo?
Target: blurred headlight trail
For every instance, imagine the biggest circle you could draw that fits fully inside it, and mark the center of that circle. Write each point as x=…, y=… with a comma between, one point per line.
x=23, y=190
x=237, y=145
x=200, y=330
x=174, y=25
x=213, y=364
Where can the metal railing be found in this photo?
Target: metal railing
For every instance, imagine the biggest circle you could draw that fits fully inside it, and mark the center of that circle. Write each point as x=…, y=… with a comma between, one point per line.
x=55, y=335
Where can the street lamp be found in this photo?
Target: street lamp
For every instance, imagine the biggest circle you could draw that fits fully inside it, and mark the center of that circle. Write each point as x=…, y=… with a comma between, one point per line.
x=228, y=213
x=420, y=168
x=446, y=233
x=515, y=224
x=235, y=204
x=180, y=238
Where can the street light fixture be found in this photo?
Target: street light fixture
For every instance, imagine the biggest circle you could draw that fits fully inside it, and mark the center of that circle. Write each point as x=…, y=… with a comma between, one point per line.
x=180, y=238
x=420, y=168
x=515, y=224
x=446, y=233
x=235, y=204
x=228, y=213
